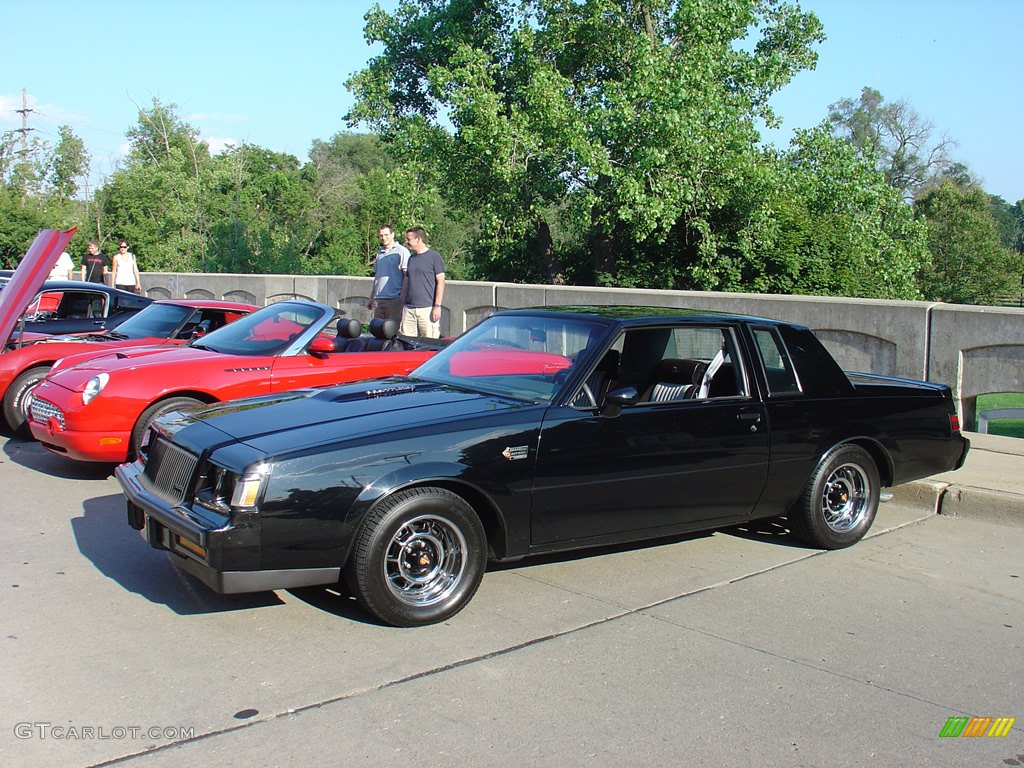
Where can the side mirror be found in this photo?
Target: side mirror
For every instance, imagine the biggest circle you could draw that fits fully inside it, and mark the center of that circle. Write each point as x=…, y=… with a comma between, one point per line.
x=321, y=346
x=618, y=399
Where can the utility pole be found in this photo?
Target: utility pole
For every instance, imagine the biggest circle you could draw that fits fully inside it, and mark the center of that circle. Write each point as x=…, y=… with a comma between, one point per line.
x=24, y=130
x=24, y=122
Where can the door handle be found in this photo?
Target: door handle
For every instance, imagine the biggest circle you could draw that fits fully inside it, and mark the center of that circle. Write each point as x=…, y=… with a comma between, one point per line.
x=750, y=416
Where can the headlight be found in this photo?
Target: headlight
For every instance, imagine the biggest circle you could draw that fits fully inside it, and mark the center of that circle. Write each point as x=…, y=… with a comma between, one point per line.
x=247, y=488
x=222, y=490
x=94, y=386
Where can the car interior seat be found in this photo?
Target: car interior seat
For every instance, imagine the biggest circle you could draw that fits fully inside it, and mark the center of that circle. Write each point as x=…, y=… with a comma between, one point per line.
x=384, y=333
x=349, y=330
x=674, y=379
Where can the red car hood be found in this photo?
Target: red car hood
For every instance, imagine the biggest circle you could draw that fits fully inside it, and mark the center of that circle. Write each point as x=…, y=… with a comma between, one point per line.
x=84, y=365
x=73, y=371
x=29, y=276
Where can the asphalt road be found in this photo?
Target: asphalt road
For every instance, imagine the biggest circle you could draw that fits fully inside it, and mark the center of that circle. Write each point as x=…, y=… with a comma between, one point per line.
x=736, y=648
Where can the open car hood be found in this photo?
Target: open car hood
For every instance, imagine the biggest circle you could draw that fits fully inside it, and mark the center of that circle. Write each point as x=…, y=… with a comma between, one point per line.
x=29, y=276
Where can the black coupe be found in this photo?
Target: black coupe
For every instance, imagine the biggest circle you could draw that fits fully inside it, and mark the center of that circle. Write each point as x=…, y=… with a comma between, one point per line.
x=535, y=431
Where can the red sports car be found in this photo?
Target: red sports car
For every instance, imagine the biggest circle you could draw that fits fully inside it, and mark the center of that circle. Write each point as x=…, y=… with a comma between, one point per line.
x=100, y=410
x=167, y=322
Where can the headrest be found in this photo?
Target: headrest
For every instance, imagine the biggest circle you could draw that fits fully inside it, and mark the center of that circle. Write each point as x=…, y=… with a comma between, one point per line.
x=383, y=329
x=675, y=371
x=349, y=329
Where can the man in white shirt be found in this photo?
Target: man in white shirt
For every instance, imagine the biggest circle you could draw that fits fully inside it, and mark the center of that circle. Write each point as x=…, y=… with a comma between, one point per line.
x=63, y=268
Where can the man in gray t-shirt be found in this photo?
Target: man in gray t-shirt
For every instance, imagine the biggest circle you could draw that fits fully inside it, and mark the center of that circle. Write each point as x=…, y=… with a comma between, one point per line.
x=423, y=289
x=388, y=277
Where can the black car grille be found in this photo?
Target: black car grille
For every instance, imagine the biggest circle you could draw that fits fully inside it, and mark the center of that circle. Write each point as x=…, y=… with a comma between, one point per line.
x=169, y=470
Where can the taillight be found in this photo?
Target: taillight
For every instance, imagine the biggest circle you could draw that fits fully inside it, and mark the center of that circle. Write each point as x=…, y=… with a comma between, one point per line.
x=954, y=422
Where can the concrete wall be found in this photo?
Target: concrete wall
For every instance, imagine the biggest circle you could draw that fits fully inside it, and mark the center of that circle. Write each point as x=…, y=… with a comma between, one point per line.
x=975, y=350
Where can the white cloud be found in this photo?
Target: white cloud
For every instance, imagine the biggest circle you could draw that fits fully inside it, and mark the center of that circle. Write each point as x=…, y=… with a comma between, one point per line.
x=218, y=144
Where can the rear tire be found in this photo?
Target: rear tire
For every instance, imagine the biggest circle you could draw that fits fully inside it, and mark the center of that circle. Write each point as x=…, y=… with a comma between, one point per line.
x=151, y=414
x=840, y=501
x=418, y=558
x=19, y=395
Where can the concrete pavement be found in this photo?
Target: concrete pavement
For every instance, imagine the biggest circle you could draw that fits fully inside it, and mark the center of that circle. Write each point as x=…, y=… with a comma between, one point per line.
x=735, y=648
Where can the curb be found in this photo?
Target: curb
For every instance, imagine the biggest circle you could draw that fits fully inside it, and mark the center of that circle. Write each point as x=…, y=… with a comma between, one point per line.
x=936, y=497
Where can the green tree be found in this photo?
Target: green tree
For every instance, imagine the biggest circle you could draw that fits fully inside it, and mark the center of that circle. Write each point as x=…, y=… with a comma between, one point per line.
x=895, y=138
x=969, y=263
x=157, y=200
x=1008, y=221
x=19, y=223
x=628, y=120
x=852, y=235
x=69, y=163
x=1018, y=226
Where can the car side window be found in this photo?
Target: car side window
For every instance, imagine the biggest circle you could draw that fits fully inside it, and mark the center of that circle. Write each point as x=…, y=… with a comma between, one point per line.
x=82, y=304
x=668, y=365
x=778, y=368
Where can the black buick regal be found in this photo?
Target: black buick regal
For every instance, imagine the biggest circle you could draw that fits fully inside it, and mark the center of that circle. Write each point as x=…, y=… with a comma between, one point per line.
x=535, y=431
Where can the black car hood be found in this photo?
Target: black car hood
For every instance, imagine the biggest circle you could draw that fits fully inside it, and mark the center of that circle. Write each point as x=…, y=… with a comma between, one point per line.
x=292, y=421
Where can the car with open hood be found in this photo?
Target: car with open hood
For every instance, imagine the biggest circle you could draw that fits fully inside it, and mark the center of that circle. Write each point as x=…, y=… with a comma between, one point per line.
x=21, y=285
x=535, y=431
x=97, y=409
x=167, y=322
x=31, y=305
x=72, y=306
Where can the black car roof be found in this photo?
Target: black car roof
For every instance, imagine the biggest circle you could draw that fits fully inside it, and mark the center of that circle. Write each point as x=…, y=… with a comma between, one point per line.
x=79, y=285
x=643, y=315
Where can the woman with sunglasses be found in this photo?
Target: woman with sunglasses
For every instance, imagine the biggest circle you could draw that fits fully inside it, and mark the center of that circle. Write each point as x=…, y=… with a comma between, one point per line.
x=126, y=270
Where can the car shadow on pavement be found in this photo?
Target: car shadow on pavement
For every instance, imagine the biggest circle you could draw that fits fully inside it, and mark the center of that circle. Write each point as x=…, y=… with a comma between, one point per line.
x=770, y=529
x=336, y=601
x=587, y=553
x=27, y=453
x=118, y=551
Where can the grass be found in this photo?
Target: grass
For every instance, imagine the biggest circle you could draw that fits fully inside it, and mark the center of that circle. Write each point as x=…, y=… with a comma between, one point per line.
x=1005, y=427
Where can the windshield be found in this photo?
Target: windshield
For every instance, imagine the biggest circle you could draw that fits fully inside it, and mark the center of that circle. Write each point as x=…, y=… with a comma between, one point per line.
x=159, y=320
x=528, y=358
x=267, y=332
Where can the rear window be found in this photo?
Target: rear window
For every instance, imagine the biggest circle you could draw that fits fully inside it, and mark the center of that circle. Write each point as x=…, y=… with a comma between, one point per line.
x=778, y=367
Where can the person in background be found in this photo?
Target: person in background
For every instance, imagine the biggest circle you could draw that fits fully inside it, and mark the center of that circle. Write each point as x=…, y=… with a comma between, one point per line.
x=388, y=276
x=126, y=269
x=423, y=289
x=95, y=266
x=63, y=268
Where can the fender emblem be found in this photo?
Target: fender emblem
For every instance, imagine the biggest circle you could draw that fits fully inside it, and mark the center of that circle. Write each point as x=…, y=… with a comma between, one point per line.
x=516, y=453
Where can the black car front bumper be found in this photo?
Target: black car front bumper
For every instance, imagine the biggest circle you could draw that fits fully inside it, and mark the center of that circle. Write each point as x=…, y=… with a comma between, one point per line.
x=224, y=557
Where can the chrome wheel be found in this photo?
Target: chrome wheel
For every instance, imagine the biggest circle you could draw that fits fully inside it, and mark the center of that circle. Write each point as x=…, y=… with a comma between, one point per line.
x=840, y=500
x=845, y=498
x=425, y=560
x=418, y=557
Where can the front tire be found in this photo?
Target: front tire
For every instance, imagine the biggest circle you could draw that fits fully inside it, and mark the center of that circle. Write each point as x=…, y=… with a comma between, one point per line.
x=154, y=412
x=840, y=501
x=418, y=557
x=19, y=395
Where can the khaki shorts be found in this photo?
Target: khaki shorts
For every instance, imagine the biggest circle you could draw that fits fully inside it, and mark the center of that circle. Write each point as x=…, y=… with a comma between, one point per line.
x=416, y=322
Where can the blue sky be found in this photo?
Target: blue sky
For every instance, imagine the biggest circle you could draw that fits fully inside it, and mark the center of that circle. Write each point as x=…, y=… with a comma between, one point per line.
x=272, y=73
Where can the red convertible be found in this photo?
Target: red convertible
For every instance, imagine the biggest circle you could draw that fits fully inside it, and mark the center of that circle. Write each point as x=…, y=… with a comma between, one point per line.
x=100, y=409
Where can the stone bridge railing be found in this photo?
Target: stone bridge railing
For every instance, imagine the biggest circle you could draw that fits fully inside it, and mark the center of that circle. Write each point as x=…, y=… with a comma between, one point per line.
x=975, y=350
